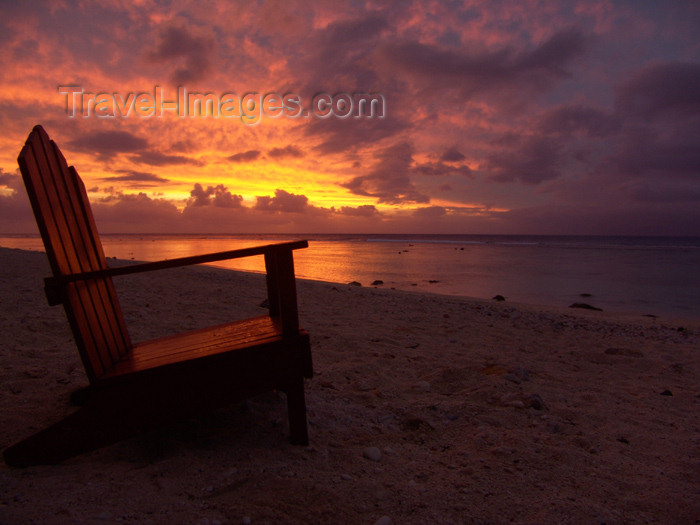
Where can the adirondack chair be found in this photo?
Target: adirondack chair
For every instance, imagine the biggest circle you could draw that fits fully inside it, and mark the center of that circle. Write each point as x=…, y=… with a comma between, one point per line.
x=135, y=387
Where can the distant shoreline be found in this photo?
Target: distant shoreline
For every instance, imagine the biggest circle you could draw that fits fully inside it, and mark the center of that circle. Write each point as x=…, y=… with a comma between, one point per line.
x=414, y=291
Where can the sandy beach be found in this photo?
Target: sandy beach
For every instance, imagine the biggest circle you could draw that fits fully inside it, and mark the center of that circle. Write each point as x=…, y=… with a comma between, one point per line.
x=424, y=409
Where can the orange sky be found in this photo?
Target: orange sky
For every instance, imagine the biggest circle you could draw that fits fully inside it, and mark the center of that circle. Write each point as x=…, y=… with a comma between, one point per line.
x=535, y=117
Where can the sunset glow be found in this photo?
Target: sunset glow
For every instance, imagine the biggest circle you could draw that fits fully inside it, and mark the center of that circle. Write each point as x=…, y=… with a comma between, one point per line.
x=489, y=117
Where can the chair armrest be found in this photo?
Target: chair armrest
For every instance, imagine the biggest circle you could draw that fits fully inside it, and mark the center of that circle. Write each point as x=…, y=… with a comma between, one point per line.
x=53, y=284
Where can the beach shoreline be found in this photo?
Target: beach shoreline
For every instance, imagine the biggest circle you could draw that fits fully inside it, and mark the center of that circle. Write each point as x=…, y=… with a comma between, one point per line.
x=480, y=411
x=649, y=276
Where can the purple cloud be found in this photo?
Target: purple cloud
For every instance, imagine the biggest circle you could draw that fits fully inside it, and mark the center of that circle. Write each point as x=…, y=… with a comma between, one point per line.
x=138, y=177
x=452, y=155
x=282, y=202
x=660, y=88
x=156, y=158
x=191, y=53
x=245, y=156
x=389, y=180
x=108, y=143
x=287, y=151
x=218, y=196
x=473, y=71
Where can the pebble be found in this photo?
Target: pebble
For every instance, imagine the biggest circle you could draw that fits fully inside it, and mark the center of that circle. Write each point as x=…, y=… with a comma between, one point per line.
x=536, y=402
x=423, y=385
x=372, y=453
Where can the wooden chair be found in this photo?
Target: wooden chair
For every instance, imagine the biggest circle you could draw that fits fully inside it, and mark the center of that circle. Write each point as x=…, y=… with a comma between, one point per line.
x=137, y=386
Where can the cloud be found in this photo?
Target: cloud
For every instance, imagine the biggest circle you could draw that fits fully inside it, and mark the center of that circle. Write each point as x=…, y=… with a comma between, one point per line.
x=10, y=180
x=282, y=202
x=144, y=178
x=245, y=156
x=365, y=210
x=128, y=213
x=661, y=88
x=531, y=160
x=217, y=196
x=575, y=119
x=340, y=59
x=191, y=53
x=441, y=169
x=287, y=151
x=452, y=155
x=156, y=158
x=344, y=136
x=430, y=212
x=108, y=143
x=660, y=107
x=389, y=180
x=478, y=71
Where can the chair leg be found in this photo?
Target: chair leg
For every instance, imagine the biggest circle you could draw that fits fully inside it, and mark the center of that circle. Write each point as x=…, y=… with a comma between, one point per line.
x=296, y=406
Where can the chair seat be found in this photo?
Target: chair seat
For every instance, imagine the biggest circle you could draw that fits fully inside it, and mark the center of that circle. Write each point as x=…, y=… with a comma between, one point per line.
x=199, y=345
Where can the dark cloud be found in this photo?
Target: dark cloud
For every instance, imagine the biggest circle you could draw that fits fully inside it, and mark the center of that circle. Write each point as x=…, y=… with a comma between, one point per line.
x=128, y=213
x=388, y=181
x=577, y=119
x=156, y=158
x=532, y=160
x=478, y=71
x=287, y=151
x=430, y=212
x=108, y=143
x=648, y=151
x=666, y=192
x=282, y=202
x=10, y=180
x=245, y=156
x=217, y=196
x=343, y=136
x=660, y=88
x=440, y=169
x=137, y=176
x=366, y=210
x=452, y=155
x=192, y=53
x=660, y=107
x=342, y=59
x=345, y=35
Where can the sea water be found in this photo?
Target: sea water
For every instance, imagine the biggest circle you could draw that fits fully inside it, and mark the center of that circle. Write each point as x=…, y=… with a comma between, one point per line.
x=644, y=275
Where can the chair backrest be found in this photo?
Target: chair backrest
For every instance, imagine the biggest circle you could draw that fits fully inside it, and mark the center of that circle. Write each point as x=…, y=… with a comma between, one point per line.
x=67, y=227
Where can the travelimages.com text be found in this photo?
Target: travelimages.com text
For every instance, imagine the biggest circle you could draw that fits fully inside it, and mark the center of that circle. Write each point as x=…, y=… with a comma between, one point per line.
x=250, y=108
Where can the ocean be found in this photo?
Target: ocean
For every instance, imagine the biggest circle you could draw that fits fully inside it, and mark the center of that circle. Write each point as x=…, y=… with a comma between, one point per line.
x=641, y=275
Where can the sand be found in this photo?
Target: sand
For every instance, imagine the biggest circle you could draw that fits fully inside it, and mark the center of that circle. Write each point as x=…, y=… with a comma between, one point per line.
x=424, y=409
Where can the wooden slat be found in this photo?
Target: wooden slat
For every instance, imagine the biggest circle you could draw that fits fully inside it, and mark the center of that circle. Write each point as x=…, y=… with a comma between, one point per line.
x=108, y=294
x=95, y=330
x=200, y=344
x=72, y=244
x=94, y=299
x=54, y=229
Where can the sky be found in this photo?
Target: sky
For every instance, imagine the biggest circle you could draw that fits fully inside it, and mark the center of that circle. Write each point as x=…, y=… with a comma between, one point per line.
x=473, y=117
